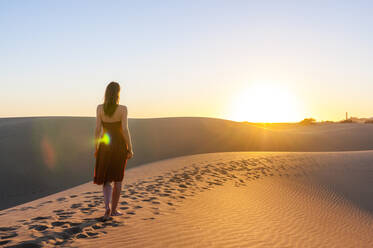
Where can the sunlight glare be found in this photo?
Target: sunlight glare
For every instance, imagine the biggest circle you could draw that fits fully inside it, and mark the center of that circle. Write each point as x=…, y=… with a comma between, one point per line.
x=105, y=139
x=266, y=103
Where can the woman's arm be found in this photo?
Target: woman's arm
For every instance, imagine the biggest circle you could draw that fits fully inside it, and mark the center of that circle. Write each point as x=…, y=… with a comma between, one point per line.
x=126, y=132
x=98, y=128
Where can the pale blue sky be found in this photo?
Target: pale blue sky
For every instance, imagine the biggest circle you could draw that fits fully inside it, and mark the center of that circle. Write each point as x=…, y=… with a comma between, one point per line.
x=185, y=58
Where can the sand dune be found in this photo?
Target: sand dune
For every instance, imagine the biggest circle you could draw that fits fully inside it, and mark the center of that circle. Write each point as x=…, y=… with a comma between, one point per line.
x=236, y=199
x=44, y=155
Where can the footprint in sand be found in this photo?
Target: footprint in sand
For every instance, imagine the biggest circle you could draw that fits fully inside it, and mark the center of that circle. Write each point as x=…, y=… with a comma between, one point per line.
x=26, y=208
x=175, y=186
x=59, y=223
x=38, y=227
x=41, y=218
x=4, y=242
x=76, y=205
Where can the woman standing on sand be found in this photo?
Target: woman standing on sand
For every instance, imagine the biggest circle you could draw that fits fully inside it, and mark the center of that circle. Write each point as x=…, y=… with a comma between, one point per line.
x=113, y=147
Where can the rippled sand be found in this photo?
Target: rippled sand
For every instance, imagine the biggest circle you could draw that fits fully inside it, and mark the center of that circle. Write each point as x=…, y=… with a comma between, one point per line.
x=243, y=199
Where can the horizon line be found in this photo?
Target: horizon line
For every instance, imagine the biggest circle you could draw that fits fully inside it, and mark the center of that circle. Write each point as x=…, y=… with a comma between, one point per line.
x=167, y=117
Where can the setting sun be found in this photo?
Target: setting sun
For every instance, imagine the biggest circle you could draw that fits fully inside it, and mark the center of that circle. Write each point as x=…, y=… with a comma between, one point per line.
x=265, y=103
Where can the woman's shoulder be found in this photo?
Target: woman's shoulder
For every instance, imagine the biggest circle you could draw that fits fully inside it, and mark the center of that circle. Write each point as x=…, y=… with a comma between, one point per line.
x=123, y=107
x=99, y=107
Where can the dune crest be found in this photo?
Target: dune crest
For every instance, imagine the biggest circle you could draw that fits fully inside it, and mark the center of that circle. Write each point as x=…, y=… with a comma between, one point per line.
x=45, y=155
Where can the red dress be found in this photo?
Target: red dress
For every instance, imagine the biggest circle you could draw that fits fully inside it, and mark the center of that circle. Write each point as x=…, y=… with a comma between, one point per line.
x=111, y=157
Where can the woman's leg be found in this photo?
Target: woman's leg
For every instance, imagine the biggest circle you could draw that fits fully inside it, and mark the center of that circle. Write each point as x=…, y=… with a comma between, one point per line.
x=107, y=194
x=116, y=196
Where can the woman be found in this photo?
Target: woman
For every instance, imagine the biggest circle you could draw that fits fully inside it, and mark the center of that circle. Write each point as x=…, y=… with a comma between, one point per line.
x=113, y=147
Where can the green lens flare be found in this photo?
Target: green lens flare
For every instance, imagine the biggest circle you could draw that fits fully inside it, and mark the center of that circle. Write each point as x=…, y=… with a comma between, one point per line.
x=105, y=139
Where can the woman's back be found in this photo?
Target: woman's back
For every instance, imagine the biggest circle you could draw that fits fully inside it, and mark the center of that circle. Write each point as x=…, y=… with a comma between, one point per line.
x=117, y=115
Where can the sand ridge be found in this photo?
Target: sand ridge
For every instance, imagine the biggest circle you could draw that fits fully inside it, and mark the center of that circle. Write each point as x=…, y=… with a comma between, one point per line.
x=40, y=156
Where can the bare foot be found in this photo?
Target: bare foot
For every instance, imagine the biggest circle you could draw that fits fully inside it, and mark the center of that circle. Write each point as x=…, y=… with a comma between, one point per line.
x=107, y=214
x=116, y=213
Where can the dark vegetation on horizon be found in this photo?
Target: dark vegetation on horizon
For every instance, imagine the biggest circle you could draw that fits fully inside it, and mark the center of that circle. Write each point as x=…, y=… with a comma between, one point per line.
x=309, y=121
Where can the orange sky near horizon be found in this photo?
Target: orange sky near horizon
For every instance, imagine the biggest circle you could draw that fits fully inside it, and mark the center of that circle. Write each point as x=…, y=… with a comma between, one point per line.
x=256, y=102
x=256, y=61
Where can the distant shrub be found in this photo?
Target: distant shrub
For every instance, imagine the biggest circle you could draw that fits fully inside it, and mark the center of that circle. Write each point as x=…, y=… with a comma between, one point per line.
x=346, y=121
x=327, y=122
x=368, y=122
x=308, y=121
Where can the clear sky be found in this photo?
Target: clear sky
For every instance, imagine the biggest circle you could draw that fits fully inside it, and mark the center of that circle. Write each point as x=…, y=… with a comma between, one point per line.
x=240, y=60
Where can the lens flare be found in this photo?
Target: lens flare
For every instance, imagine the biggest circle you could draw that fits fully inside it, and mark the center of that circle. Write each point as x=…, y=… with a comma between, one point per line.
x=48, y=152
x=105, y=139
